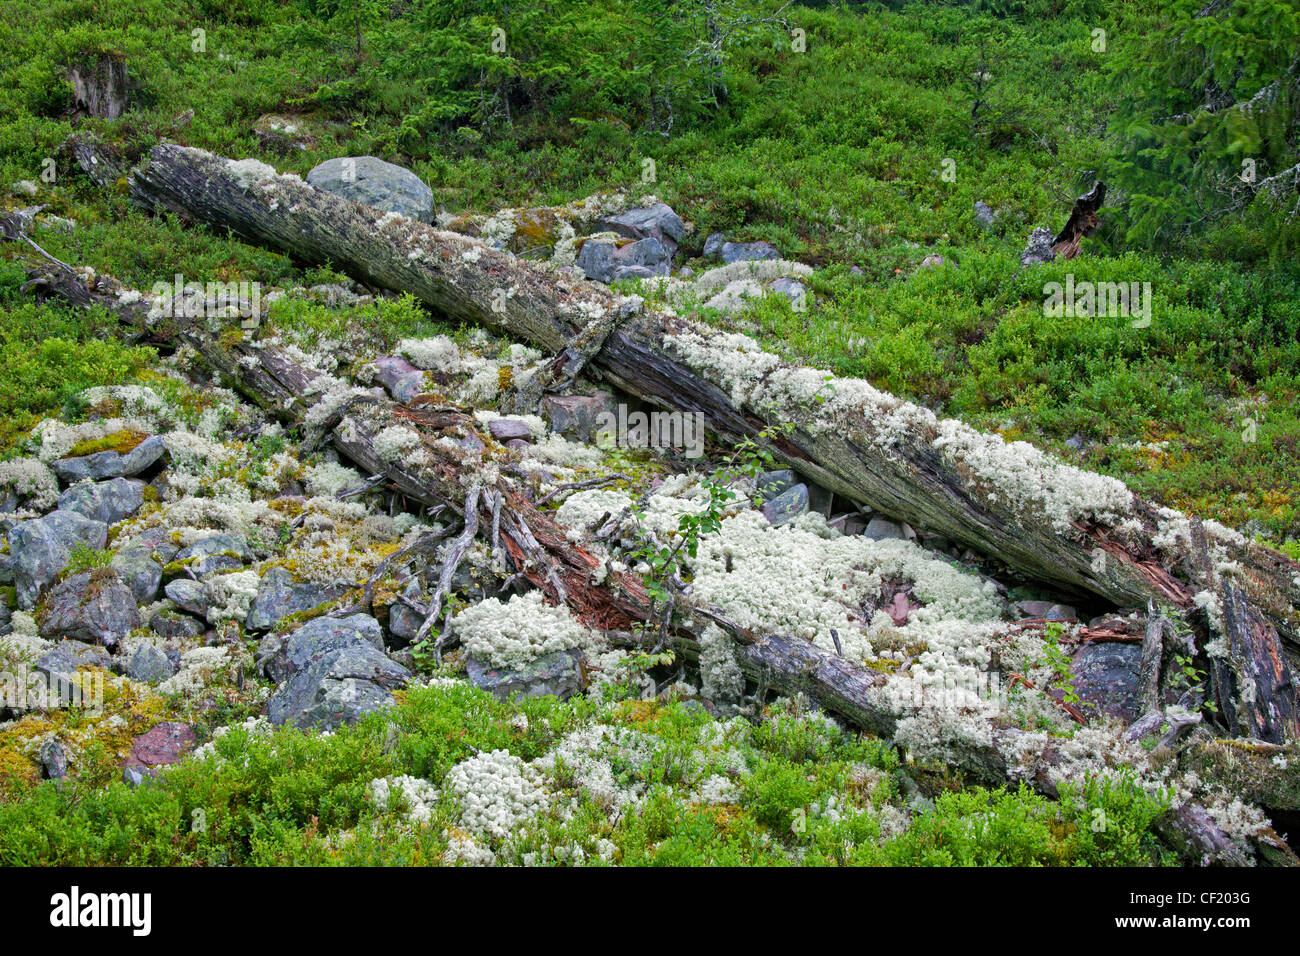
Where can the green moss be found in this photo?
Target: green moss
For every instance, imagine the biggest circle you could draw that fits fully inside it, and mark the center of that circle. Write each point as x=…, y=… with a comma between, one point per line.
x=119, y=441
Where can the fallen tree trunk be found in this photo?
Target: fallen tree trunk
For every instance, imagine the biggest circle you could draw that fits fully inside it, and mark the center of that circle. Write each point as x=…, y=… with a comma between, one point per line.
x=1074, y=531
x=538, y=548
x=541, y=552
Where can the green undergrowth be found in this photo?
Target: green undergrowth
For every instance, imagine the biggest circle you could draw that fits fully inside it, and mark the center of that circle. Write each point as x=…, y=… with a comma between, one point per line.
x=851, y=179
x=805, y=792
x=49, y=354
x=1200, y=410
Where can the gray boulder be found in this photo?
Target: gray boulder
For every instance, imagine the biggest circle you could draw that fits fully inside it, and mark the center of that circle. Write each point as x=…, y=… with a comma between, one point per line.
x=819, y=499
x=576, y=416
x=139, y=569
x=792, y=289
x=657, y=222
x=984, y=214
x=747, y=251
x=772, y=483
x=62, y=660
x=40, y=549
x=1034, y=609
x=635, y=272
x=786, y=506
x=403, y=621
x=174, y=624
x=218, y=552
x=372, y=182
x=107, y=501
x=148, y=665
x=402, y=379
x=93, y=606
x=1106, y=676
x=880, y=529
x=713, y=245
x=53, y=760
x=1038, y=248
x=596, y=260
x=645, y=253
x=334, y=672
x=278, y=596
x=1061, y=612
x=558, y=673
x=189, y=595
x=111, y=464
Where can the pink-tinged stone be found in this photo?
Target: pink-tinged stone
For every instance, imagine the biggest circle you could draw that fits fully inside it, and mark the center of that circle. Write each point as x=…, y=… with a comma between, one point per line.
x=507, y=429
x=164, y=744
x=899, y=609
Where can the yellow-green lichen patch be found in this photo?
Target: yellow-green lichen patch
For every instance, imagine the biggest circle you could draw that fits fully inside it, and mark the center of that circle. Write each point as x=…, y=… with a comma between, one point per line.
x=121, y=442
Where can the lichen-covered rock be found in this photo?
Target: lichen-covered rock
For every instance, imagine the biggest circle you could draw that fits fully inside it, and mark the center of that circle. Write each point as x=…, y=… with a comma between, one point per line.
x=111, y=464
x=139, y=570
x=189, y=595
x=1106, y=675
x=648, y=253
x=93, y=606
x=63, y=659
x=596, y=260
x=280, y=656
x=107, y=501
x=53, y=759
x=216, y=553
x=731, y=252
x=173, y=624
x=333, y=670
x=40, y=549
x=402, y=379
x=657, y=222
x=278, y=596
x=372, y=182
x=148, y=664
x=1038, y=249
x=786, y=506
x=560, y=673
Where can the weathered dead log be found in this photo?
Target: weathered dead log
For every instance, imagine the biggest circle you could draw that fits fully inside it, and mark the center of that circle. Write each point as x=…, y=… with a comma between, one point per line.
x=542, y=553
x=1047, y=521
x=1253, y=686
x=1250, y=680
x=1153, y=649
